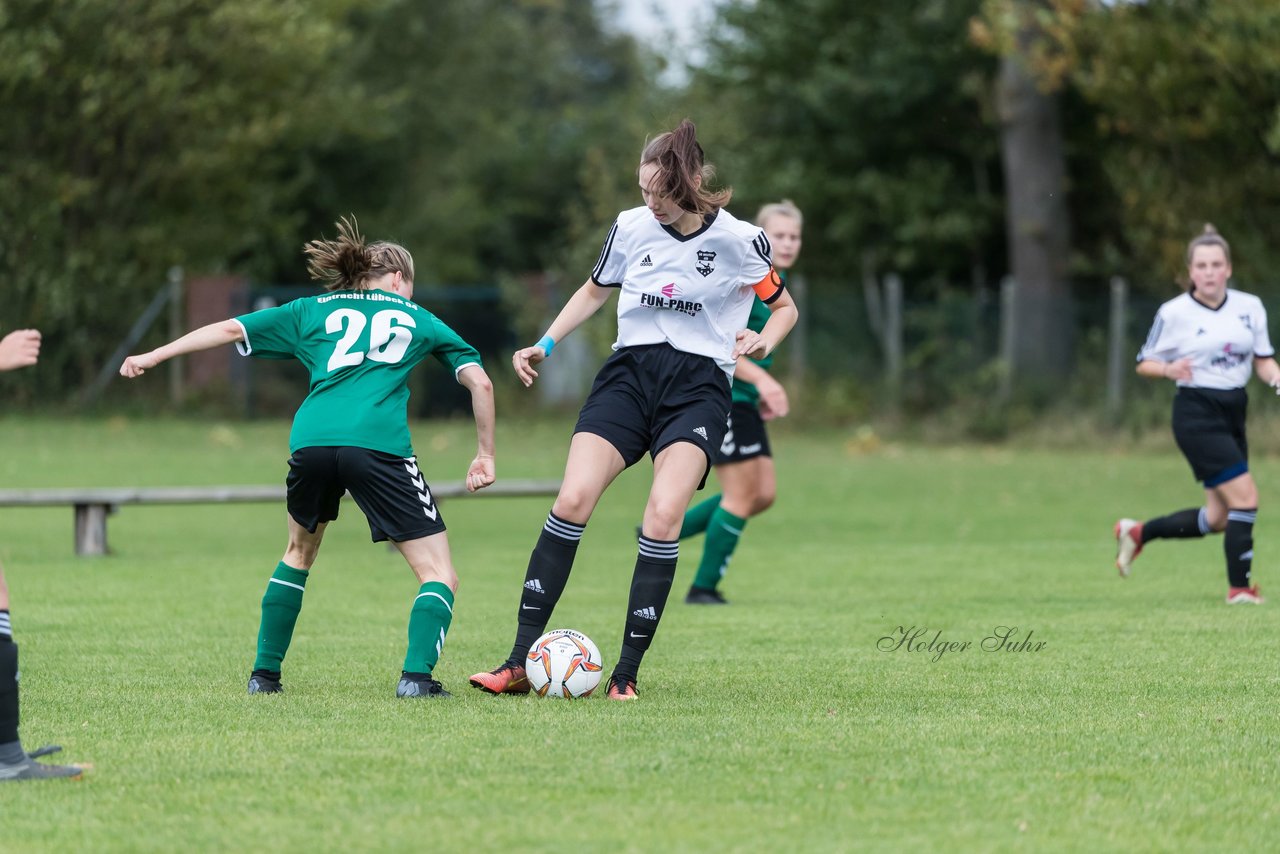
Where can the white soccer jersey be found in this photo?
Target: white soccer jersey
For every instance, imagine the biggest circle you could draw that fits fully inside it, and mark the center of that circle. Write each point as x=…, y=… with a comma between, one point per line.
x=1221, y=342
x=691, y=291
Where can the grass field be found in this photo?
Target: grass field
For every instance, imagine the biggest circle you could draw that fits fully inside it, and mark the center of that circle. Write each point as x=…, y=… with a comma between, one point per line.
x=1146, y=721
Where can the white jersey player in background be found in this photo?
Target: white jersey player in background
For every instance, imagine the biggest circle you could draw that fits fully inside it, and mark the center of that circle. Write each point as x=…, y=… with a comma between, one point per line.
x=1208, y=341
x=686, y=272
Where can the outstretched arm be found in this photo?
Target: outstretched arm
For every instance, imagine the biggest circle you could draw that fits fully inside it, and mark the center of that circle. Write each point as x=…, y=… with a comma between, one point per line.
x=585, y=302
x=204, y=338
x=481, y=473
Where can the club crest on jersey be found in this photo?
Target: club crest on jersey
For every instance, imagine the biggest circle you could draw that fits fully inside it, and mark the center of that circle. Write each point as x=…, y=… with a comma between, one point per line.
x=704, y=266
x=669, y=299
x=1247, y=321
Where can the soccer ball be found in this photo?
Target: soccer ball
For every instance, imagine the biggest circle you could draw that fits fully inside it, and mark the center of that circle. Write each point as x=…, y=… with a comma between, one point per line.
x=563, y=663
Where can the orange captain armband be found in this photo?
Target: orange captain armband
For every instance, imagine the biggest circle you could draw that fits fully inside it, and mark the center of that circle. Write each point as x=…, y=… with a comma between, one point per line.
x=769, y=287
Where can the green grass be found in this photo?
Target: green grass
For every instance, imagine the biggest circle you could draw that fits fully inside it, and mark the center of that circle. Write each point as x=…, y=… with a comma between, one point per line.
x=1145, y=723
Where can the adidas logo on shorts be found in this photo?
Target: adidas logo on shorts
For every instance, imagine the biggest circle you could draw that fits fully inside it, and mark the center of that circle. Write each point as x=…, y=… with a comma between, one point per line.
x=646, y=262
x=701, y=431
x=535, y=585
x=647, y=612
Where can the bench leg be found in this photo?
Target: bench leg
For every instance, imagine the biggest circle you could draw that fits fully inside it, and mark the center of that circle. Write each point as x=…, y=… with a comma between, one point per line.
x=91, y=529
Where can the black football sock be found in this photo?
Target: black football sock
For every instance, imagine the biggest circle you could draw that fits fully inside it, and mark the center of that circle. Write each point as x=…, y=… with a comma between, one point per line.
x=544, y=581
x=1238, y=545
x=1181, y=525
x=650, y=585
x=8, y=692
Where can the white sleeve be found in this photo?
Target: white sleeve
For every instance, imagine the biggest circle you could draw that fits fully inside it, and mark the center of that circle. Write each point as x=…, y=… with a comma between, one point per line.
x=1161, y=343
x=758, y=261
x=612, y=266
x=1261, y=339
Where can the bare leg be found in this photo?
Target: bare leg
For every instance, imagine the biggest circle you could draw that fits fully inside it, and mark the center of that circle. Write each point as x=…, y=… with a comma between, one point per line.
x=593, y=464
x=677, y=471
x=749, y=487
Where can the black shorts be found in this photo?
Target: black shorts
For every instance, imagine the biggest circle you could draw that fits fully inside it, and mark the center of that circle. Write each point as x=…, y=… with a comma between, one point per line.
x=1208, y=425
x=648, y=397
x=390, y=490
x=746, y=438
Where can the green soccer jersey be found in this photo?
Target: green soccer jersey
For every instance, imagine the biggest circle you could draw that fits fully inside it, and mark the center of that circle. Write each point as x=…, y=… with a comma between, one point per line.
x=359, y=347
x=743, y=391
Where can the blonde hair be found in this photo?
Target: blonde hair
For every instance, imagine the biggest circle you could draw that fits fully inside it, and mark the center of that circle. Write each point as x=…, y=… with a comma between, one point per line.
x=786, y=208
x=347, y=263
x=1208, y=237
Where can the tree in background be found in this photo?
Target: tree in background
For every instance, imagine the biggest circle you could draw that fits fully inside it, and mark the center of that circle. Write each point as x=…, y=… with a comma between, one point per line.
x=1184, y=111
x=496, y=139
x=878, y=120
x=1136, y=122
x=138, y=134
x=875, y=118
x=1188, y=101
x=1028, y=89
x=219, y=136
x=495, y=104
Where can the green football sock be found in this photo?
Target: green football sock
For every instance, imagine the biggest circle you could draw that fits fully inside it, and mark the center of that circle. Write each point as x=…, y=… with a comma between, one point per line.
x=280, y=606
x=723, y=531
x=697, y=516
x=428, y=624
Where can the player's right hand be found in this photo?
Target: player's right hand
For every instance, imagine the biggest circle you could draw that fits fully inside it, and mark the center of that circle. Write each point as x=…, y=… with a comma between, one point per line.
x=480, y=474
x=524, y=360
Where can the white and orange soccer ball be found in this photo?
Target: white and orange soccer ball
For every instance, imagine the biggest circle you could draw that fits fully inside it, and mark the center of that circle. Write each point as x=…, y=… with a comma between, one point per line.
x=563, y=663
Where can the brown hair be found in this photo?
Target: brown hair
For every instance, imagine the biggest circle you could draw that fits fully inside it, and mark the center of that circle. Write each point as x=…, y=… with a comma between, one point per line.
x=786, y=208
x=347, y=264
x=680, y=162
x=1208, y=237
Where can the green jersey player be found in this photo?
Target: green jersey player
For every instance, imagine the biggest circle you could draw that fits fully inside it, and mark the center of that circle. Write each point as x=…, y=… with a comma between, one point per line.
x=744, y=464
x=359, y=341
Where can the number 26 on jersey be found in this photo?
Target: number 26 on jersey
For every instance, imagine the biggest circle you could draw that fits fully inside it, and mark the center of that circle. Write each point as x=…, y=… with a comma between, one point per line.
x=389, y=336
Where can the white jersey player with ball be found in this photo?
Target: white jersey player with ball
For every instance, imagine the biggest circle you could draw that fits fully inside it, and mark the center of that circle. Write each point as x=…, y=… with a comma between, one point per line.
x=687, y=272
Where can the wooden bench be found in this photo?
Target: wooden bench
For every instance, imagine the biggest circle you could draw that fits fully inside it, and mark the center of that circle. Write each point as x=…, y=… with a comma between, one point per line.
x=93, y=505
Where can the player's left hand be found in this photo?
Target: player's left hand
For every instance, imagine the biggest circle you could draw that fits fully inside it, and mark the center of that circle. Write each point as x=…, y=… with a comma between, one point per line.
x=750, y=344
x=480, y=474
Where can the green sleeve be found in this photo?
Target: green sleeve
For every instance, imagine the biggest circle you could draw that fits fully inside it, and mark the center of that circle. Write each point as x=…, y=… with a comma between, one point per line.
x=272, y=333
x=449, y=348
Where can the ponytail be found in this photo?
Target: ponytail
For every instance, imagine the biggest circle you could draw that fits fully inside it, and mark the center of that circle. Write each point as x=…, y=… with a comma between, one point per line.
x=684, y=176
x=347, y=263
